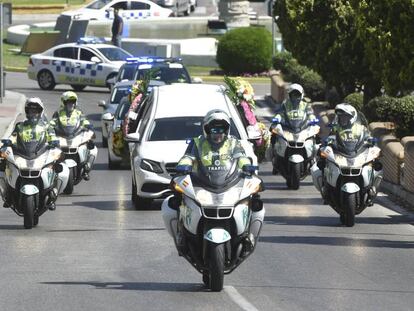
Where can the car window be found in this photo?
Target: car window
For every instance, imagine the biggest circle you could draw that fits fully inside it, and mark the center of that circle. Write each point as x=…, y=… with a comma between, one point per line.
x=126, y=72
x=143, y=116
x=122, y=109
x=114, y=54
x=118, y=93
x=166, y=74
x=136, y=5
x=123, y=5
x=98, y=4
x=180, y=128
x=86, y=55
x=67, y=52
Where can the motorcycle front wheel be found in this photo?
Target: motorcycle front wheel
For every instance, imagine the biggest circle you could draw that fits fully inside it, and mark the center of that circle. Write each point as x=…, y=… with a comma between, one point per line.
x=216, y=266
x=28, y=209
x=349, y=201
x=71, y=181
x=293, y=180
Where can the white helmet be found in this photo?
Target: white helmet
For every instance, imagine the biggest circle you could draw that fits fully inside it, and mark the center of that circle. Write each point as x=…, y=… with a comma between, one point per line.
x=33, y=109
x=296, y=93
x=346, y=114
x=216, y=126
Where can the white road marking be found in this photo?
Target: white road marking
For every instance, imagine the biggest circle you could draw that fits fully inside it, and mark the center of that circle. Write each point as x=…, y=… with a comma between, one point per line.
x=239, y=299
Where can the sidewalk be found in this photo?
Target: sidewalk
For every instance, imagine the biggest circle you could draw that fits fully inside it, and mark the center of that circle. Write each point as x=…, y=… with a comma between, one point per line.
x=10, y=108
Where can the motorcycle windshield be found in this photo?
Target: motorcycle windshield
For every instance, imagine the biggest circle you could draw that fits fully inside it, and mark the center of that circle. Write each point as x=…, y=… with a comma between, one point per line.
x=350, y=143
x=31, y=149
x=68, y=131
x=219, y=176
x=296, y=120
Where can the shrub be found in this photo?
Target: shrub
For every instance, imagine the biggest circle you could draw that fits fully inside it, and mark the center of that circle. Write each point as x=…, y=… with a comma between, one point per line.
x=313, y=85
x=380, y=109
x=245, y=50
x=356, y=100
x=397, y=110
x=294, y=72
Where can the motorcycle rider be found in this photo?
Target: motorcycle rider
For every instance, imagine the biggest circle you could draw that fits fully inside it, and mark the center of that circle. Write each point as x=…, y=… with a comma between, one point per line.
x=32, y=129
x=348, y=124
x=69, y=115
x=214, y=147
x=293, y=106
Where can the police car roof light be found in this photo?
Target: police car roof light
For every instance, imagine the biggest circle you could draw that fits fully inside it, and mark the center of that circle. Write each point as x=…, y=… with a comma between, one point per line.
x=151, y=59
x=90, y=40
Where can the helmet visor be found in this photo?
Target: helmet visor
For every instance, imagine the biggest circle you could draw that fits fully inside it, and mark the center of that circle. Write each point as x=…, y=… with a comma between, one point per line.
x=70, y=104
x=344, y=119
x=295, y=98
x=217, y=134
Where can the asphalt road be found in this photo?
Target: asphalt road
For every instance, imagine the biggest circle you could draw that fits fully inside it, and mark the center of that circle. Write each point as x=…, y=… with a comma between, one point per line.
x=95, y=252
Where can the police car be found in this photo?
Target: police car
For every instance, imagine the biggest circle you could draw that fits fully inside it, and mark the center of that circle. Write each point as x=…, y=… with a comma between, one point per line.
x=128, y=10
x=166, y=70
x=87, y=62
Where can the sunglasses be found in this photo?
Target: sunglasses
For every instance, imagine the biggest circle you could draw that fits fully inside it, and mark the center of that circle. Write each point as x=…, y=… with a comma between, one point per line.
x=217, y=130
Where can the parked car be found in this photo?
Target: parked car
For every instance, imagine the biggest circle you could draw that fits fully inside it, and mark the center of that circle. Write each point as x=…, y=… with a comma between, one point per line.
x=170, y=70
x=171, y=115
x=128, y=9
x=80, y=64
x=177, y=6
x=120, y=90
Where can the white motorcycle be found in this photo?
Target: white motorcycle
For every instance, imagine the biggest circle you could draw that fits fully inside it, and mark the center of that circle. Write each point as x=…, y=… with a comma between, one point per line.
x=348, y=177
x=32, y=179
x=295, y=148
x=79, y=150
x=219, y=209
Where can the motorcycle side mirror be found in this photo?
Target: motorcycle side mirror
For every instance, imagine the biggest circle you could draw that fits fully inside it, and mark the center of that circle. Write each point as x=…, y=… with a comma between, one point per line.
x=102, y=104
x=313, y=122
x=107, y=116
x=58, y=168
x=184, y=169
x=250, y=169
x=6, y=142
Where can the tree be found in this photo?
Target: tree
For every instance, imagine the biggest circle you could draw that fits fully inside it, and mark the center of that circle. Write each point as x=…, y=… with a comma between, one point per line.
x=386, y=29
x=322, y=35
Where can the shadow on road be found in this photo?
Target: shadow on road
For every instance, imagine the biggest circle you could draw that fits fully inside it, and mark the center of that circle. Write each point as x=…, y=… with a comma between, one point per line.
x=118, y=205
x=12, y=227
x=332, y=221
x=104, y=230
x=139, y=286
x=293, y=201
x=282, y=185
x=337, y=241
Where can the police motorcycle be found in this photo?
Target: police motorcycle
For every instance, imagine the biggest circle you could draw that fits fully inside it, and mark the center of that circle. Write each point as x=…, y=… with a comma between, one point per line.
x=79, y=151
x=33, y=177
x=348, y=175
x=295, y=147
x=211, y=221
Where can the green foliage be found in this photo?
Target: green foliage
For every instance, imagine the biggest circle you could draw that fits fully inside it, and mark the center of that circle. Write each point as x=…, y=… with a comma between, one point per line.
x=356, y=100
x=293, y=72
x=323, y=36
x=245, y=50
x=397, y=110
x=386, y=30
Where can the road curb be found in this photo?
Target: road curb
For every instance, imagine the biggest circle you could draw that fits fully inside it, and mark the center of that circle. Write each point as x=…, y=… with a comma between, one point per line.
x=19, y=102
x=15, y=69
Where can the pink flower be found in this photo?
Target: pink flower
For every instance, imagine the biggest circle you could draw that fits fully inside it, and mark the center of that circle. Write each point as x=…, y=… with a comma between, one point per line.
x=248, y=113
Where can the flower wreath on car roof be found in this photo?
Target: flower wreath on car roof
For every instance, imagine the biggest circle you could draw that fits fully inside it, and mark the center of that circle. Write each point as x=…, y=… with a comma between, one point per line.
x=241, y=94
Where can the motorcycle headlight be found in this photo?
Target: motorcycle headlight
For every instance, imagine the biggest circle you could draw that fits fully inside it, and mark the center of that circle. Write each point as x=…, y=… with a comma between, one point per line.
x=151, y=166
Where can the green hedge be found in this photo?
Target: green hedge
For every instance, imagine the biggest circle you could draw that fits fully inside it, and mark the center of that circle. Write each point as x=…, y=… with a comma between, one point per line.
x=397, y=110
x=245, y=50
x=356, y=100
x=294, y=72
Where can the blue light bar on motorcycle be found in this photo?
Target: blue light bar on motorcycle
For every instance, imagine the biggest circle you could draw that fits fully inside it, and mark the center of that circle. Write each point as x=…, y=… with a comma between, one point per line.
x=90, y=40
x=314, y=122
